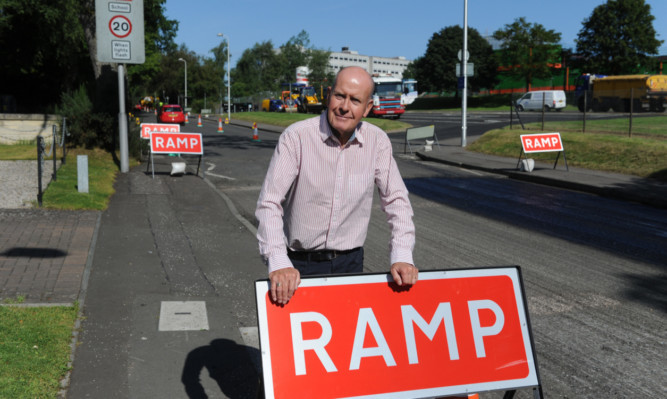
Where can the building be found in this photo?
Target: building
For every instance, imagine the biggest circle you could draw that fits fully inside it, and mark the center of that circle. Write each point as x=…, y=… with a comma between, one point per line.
x=346, y=57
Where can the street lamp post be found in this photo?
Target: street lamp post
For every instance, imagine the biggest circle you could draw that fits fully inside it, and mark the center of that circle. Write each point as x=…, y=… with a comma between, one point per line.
x=229, y=82
x=186, y=83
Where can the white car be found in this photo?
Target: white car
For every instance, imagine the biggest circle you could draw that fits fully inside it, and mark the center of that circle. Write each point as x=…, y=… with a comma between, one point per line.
x=551, y=99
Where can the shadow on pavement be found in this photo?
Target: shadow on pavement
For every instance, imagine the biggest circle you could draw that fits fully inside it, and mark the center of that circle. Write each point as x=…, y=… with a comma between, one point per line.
x=228, y=363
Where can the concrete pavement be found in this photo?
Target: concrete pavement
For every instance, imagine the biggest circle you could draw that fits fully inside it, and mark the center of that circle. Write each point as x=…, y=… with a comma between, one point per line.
x=174, y=241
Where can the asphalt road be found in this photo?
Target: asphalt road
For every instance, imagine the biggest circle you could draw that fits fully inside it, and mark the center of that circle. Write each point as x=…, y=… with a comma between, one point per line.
x=593, y=268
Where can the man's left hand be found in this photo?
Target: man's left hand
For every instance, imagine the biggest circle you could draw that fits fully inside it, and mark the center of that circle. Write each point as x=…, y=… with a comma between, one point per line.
x=404, y=274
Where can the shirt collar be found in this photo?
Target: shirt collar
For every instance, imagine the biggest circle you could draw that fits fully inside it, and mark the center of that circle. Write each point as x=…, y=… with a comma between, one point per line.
x=326, y=132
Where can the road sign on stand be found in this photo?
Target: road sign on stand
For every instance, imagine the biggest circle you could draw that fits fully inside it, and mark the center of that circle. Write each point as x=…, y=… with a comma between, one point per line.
x=120, y=31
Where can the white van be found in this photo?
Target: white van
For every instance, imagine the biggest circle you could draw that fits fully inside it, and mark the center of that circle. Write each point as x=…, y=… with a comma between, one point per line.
x=552, y=99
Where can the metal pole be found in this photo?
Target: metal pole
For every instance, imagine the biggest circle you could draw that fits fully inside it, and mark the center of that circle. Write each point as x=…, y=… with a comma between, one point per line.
x=122, y=122
x=54, y=176
x=64, y=140
x=544, y=95
x=229, y=85
x=40, y=159
x=632, y=100
x=185, y=81
x=464, y=61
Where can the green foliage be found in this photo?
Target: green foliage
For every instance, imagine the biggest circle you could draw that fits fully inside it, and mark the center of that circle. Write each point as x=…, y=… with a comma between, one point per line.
x=86, y=127
x=43, y=49
x=34, y=348
x=261, y=70
x=618, y=37
x=435, y=71
x=605, y=146
x=159, y=33
x=527, y=49
x=63, y=193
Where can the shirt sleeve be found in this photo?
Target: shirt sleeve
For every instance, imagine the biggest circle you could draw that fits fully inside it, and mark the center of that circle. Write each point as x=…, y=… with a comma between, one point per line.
x=280, y=176
x=395, y=203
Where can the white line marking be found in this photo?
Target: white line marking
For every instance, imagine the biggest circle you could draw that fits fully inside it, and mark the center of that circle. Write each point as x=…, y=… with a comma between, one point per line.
x=211, y=167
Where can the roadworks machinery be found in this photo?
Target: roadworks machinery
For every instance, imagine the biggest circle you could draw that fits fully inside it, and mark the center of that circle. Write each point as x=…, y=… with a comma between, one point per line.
x=619, y=93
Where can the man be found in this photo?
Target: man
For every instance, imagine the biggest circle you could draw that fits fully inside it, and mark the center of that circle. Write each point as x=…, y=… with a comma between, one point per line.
x=316, y=199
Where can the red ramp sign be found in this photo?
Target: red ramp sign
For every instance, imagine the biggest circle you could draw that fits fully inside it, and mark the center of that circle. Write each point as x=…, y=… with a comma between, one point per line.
x=454, y=332
x=180, y=143
x=147, y=128
x=541, y=142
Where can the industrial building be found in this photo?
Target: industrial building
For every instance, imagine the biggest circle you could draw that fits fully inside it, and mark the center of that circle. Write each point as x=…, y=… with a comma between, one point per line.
x=373, y=64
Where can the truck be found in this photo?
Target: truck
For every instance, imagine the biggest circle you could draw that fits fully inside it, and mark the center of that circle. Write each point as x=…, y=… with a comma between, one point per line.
x=601, y=93
x=306, y=98
x=388, y=100
x=410, y=93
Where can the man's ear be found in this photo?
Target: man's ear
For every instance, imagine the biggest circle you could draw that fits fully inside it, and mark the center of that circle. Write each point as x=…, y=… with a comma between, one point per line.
x=368, y=107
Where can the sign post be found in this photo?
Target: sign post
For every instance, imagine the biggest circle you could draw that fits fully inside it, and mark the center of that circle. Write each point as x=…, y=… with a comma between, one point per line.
x=455, y=332
x=119, y=29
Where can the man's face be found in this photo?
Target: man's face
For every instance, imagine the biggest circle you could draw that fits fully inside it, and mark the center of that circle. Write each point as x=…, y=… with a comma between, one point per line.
x=349, y=101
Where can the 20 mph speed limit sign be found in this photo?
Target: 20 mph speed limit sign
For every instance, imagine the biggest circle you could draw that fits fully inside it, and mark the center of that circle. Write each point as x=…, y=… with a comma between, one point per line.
x=120, y=31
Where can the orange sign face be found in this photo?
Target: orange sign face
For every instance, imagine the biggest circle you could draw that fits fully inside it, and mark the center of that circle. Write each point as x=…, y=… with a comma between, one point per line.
x=541, y=142
x=147, y=128
x=454, y=332
x=182, y=143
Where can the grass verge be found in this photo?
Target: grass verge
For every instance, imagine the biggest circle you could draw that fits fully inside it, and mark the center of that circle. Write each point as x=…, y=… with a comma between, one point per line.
x=64, y=194
x=598, y=149
x=34, y=350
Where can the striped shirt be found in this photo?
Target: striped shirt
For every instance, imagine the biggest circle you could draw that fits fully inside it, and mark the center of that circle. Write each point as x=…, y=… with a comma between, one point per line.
x=318, y=195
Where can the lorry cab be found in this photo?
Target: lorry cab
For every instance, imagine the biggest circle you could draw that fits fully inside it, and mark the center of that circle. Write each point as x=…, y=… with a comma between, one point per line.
x=534, y=100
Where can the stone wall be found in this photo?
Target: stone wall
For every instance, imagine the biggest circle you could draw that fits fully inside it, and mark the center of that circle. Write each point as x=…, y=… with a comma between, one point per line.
x=15, y=128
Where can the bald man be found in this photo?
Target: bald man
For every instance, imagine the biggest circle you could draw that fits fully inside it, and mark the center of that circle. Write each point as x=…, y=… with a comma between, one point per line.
x=315, y=203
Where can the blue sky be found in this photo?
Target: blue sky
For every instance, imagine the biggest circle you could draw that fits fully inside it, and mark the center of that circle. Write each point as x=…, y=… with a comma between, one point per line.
x=386, y=28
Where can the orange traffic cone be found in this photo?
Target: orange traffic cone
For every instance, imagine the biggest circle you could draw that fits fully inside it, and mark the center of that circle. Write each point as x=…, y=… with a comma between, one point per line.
x=255, y=137
x=199, y=121
x=187, y=120
x=220, y=126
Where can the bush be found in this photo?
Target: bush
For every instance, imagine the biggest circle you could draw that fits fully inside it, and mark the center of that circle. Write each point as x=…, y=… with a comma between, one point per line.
x=87, y=128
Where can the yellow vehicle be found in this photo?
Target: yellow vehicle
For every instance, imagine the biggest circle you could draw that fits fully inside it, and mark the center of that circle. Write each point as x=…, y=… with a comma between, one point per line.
x=272, y=105
x=306, y=99
x=644, y=92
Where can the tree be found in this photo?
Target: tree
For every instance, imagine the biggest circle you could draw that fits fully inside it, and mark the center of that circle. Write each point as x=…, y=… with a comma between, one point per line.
x=527, y=50
x=436, y=70
x=294, y=53
x=318, y=65
x=43, y=50
x=256, y=71
x=220, y=67
x=618, y=38
x=159, y=34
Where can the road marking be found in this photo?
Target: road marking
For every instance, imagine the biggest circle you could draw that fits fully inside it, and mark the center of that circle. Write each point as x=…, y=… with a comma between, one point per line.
x=183, y=316
x=211, y=167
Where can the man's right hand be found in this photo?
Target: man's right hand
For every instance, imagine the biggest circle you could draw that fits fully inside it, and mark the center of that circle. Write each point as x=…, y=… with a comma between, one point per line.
x=283, y=284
